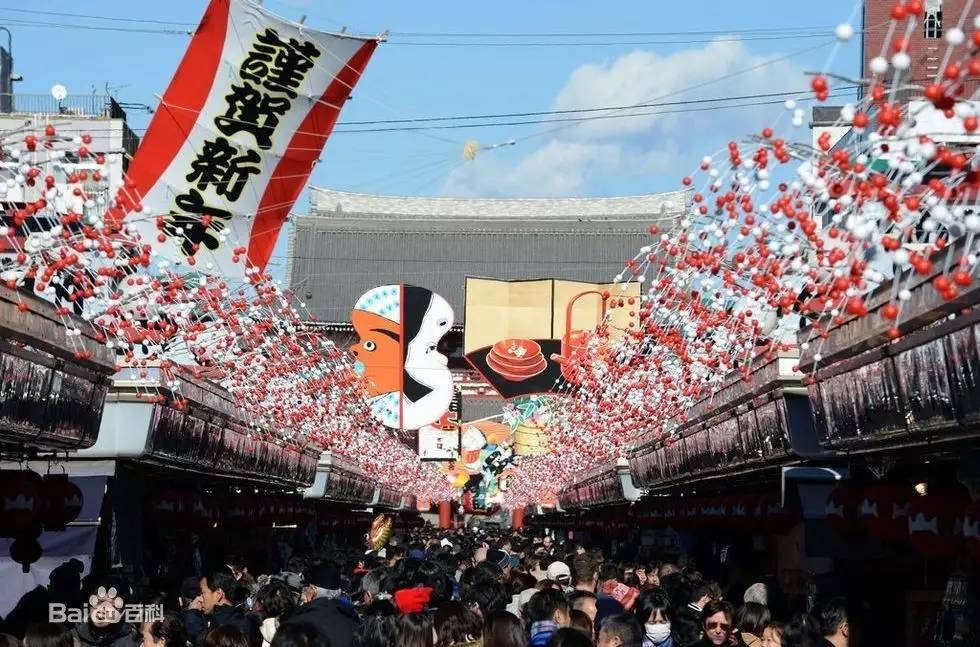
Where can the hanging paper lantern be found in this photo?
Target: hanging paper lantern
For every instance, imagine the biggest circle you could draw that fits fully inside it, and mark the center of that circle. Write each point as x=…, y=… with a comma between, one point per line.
x=25, y=551
x=168, y=507
x=884, y=510
x=236, y=514
x=192, y=508
x=21, y=503
x=971, y=529
x=62, y=501
x=841, y=509
x=935, y=523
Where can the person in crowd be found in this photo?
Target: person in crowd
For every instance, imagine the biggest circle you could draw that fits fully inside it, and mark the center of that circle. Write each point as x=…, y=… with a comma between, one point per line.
x=653, y=612
x=772, y=635
x=718, y=623
x=620, y=630
x=217, y=592
x=832, y=616
x=570, y=637
x=370, y=587
x=228, y=635
x=584, y=601
x=585, y=573
x=191, y=611
x=580, y=620
x=666, y=569
x=273, y=602
x=457, y=626
x=485, y=596
x=239, y=570
x=501, y=559
x=48, y=634
x=104, y=626
x=803, y=631
x=757, y=593
x=324, y=608
x=547, y=612
x=378, y=627
x=503, y=629
x=299, y=635
x=414, y=630
x=561, y=574
x=168, y=631
x=751, y=620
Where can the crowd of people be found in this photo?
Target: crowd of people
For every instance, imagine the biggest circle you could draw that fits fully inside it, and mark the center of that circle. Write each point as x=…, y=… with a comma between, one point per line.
x=430, y=589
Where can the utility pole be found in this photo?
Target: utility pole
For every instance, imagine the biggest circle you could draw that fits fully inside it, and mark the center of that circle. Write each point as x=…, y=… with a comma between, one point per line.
x=7, y=76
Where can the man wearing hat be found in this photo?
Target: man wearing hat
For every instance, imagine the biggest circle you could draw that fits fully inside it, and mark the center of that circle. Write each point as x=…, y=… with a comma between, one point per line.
x=560, y=573
x=323, y=607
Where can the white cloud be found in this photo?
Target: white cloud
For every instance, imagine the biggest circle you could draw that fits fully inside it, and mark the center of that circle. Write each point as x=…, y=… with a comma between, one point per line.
x=559, y=168
x=582, y=158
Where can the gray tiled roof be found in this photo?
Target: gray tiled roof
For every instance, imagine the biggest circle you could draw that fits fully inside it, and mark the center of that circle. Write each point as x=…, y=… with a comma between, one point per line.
x=353, y=242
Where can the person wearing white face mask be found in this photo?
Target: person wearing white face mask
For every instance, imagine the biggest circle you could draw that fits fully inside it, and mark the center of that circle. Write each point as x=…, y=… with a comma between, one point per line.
x=653, y=611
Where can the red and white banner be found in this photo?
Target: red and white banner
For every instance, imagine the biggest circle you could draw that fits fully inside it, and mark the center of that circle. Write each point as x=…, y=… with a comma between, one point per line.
x=237, y=134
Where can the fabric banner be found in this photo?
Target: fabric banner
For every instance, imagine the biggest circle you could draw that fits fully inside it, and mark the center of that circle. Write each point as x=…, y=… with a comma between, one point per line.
x=237, y=134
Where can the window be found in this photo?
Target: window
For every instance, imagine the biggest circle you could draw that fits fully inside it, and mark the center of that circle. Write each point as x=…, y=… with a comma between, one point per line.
x=933, y=23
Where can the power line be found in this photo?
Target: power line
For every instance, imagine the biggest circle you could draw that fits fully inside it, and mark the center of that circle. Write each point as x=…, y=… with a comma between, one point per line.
x=568, y=119
x=579, y=110
x=92, y=17
x=17, y=22
x=699, y=41
x=605, y=34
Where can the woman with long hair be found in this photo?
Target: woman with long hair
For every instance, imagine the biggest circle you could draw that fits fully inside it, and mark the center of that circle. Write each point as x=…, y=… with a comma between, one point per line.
x=378, y=628
x=414, y=630
x=457, y=626
x=653, y=611
x=503, y=629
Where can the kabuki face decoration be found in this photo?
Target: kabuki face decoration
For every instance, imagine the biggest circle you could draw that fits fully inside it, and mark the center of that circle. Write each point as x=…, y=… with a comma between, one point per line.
x=407, y=380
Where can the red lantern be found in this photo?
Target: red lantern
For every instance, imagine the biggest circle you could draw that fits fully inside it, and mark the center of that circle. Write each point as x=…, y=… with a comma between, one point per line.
x=193, y=510
x=168, y=507
x=236, y=514
x=842, y=509
x=25, y=551
x=738, y=512
x=934, y=524
x=21, y=503
x=971, y=529
x=62, y=501
x=884, y=510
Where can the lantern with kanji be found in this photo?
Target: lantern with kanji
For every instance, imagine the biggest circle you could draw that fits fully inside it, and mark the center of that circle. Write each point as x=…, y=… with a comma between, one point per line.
x=971, y=529
x=168, y=507
x=62, y=501
x=935, y=523
x=841, y=509
x=21, y=503
x=884, y=510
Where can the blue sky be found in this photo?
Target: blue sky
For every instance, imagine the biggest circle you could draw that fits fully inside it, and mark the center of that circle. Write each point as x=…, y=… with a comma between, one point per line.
x=608, y=157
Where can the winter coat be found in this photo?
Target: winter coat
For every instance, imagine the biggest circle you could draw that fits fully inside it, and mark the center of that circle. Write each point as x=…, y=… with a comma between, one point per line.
x=120, y=634
x=225, y=614
x=332, y=619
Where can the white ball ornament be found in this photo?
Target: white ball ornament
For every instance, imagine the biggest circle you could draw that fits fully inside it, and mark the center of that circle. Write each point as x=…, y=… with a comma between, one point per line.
x=878, y=65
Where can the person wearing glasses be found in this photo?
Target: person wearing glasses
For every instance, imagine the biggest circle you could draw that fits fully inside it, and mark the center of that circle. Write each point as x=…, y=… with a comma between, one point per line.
x=718, y=617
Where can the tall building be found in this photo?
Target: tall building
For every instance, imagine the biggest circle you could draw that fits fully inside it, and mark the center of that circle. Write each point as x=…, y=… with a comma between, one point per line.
x=926, y=45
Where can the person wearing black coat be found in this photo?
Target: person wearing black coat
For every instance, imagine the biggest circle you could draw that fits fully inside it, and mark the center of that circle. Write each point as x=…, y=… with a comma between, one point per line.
x=333, y=618
x=217, y=591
